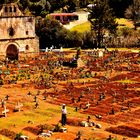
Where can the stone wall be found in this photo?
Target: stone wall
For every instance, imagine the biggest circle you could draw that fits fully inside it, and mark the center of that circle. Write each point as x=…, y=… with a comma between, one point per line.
x=23, y=27
x=26, y=47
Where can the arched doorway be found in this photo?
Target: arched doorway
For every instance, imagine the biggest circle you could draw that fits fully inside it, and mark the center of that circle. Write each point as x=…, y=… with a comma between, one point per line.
x=12, y=52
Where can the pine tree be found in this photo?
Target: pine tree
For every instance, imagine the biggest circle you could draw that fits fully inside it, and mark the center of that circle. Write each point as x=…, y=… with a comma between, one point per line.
x=102, y=20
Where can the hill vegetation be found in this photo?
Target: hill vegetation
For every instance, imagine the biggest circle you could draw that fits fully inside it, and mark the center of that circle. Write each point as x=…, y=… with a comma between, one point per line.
x=41, y=7
x=52, y=33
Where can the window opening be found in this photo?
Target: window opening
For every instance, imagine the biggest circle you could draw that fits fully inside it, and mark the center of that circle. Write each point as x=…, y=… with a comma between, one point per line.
x=10, y=9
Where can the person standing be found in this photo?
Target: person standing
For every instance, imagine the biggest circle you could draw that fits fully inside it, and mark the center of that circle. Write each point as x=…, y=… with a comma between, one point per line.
x=64, y=115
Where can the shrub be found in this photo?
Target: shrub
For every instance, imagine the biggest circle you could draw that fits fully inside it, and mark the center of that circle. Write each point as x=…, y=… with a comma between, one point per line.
x=18, y=136
x=57, y=127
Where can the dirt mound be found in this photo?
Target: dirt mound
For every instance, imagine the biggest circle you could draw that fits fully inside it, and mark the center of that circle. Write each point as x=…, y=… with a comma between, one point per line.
x=8, y=133
x=125, y=130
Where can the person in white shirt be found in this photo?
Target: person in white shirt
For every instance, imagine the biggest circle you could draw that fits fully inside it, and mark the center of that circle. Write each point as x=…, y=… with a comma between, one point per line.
x=64, y=115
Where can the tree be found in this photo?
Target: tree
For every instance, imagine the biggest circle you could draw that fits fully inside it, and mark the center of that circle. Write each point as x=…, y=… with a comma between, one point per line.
x=102, y=20
x=38, y=8
x=88, y=40
x=23, y=4
x=50, y=32
x=74, y=39
x=119, y=6
x=133, y=12
x=7, y=1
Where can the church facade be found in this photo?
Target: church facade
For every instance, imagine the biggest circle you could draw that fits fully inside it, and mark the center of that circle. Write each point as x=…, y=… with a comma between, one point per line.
x=17, y=33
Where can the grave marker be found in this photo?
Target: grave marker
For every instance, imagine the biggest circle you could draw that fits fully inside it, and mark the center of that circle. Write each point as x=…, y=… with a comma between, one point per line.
x=5, y=111
x=18, y=107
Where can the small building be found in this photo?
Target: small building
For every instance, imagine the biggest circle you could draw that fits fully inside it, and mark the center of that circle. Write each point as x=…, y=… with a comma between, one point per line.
x=17, y=33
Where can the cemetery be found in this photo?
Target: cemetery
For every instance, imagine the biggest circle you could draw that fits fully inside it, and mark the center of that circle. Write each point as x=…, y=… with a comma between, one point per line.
x=102, y=95
x=61, y=83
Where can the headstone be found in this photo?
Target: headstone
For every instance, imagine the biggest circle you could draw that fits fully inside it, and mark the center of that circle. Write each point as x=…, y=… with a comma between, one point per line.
x=64, y=130
x=23, y=137
x=45, y=97
x=18, y=107
x=3, y=103
x=84, y=124
x=46, y=50
x=80, y=63
x=98, y=116
x=101, y=53
x=44, y=135
x=61, y=49
x=98, y=126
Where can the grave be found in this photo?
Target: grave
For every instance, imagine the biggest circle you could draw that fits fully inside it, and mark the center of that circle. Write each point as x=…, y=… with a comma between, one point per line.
x=80, y=63
x=63, y=129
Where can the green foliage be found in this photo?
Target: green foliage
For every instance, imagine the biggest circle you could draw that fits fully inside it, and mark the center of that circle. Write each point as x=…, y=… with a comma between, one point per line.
x=125, y=31
x=48, y=31
x=51, y=33
x=133, y=12
x=18, y=136
x=57, y=127
x=46, y=127
x=88, y=40
x=81, y=27
x=119, y=6
x=23, y=4
x=78, y=52
x=74, y=39
x=7, y=1
x=102, y=20
x=47, y=6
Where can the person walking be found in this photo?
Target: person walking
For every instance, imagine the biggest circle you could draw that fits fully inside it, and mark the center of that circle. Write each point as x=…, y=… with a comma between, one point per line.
x=64, y=115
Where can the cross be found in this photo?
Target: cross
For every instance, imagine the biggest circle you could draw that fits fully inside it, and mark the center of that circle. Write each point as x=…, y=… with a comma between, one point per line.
x=18, y=106
x=3, y=103
x=5, y=111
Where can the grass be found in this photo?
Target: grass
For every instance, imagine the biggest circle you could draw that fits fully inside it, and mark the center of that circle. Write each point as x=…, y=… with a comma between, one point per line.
x=81, y=27
x=21, y=118
x=4, y=138
x=86, y=26
x=44, y=113
x=47, y=112
x=125, y=49
x=125, y=22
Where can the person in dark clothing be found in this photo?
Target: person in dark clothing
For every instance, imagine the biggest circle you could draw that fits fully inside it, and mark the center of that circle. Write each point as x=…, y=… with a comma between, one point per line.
x=64, y=115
